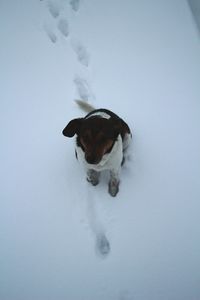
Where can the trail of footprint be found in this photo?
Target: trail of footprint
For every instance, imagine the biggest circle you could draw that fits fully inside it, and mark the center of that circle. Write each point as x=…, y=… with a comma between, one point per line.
x=75, y=4
x=63, y=27
x=53, y=8
x=81, y=52
x=83, y=89
x=102, y=245
x=52, y=36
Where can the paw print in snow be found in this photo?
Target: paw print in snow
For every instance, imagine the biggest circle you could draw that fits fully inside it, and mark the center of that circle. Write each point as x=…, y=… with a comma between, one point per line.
x=102, y=245
x=53, y=8
x=52, y=36
x=63, y=27
x=83, y=89
x=81, y=52
x=75, y=4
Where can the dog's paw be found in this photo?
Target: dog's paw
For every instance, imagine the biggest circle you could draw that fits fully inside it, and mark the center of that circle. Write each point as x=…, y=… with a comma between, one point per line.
x=113, y=187
x=93, y=177
x=93, y=181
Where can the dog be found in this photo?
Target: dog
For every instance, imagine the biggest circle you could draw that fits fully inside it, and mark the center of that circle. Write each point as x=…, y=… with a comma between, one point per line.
x=102, y=138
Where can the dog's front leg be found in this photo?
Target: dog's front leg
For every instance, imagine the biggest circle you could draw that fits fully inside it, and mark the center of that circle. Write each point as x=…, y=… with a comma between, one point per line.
x=93, y=176
x=113, y=186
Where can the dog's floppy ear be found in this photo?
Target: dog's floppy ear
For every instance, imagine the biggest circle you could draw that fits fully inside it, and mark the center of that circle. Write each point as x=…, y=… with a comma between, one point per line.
x=120, y=127
x=72, y=127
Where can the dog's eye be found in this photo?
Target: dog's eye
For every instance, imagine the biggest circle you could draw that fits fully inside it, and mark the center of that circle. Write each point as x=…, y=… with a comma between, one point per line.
x=85, y=141
x=102, y=141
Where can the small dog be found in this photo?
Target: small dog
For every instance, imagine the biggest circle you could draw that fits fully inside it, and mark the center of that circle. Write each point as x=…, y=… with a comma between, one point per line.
x=101, y=140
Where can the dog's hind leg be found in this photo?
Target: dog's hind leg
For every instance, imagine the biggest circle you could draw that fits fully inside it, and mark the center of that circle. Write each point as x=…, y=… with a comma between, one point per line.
x=93, y=176
x=126, y=143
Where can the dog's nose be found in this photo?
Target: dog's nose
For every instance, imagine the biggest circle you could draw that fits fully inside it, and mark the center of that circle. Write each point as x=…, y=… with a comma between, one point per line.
x=91, y=159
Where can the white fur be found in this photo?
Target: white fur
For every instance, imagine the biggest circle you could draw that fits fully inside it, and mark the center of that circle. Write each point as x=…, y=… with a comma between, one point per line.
x=126, y=141
x=101, y=114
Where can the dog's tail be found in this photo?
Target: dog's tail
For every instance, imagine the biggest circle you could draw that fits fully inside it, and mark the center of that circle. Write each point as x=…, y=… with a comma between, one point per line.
x=85, y=106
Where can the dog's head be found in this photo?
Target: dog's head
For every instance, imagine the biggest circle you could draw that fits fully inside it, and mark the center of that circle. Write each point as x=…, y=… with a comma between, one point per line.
x=95, y=135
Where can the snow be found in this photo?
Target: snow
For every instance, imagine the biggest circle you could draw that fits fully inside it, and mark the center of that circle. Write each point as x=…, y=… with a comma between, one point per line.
x=60, y=237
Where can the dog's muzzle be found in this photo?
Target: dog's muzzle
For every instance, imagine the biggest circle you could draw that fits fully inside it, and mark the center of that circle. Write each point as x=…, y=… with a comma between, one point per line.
x=92, y=159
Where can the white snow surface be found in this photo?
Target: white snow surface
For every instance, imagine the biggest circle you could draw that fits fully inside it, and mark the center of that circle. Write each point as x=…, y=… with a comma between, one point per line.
x=60, y=238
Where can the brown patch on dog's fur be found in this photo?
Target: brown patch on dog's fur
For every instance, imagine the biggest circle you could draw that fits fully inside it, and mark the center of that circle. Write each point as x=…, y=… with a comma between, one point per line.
x=95, y=146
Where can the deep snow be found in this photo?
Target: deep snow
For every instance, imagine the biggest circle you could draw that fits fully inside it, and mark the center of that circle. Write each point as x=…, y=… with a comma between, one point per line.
x=140, y=59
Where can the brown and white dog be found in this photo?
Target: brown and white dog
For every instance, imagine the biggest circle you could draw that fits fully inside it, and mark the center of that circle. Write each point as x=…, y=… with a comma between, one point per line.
x=101, y=140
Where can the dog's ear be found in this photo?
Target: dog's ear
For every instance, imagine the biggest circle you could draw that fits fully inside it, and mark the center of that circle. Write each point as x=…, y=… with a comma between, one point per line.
x=120, y=127
x=72, y=128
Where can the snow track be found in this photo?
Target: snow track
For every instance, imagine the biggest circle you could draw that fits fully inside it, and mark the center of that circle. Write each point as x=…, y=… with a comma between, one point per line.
x=102, y=244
